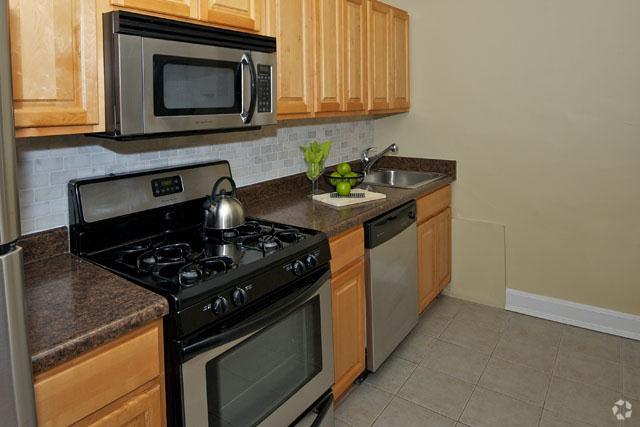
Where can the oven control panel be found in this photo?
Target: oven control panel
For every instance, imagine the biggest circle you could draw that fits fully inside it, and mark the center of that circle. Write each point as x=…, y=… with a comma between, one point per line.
x=167, y=185
x=264, y=88
x=237, y=296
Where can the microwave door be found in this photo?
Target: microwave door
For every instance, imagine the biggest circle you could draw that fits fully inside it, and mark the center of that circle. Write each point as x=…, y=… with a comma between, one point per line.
x=191, y=87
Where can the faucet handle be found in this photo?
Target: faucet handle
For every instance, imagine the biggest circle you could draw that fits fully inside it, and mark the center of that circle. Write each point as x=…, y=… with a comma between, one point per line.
x=365, y=153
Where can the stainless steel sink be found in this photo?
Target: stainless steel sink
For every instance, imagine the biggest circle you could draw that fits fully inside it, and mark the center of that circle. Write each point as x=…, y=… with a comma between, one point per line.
x=402, y=179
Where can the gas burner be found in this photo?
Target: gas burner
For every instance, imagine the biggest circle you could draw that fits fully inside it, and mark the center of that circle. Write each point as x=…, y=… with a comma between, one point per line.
x=135, y=248
x=163, y=256
x=194, y=272
x=290, y=235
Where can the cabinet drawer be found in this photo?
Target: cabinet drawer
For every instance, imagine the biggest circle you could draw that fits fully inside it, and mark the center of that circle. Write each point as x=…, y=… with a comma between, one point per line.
x=346, y=248
x=433, y=203
x=78, y=388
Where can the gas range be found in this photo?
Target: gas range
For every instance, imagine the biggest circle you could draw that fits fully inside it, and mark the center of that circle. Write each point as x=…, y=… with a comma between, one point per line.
x=248, y=339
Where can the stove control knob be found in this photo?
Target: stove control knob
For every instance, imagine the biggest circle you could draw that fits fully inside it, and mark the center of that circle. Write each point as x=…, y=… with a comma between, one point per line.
x=311, y=261
x=239, y=297
x=299, y=268
x=220, y=306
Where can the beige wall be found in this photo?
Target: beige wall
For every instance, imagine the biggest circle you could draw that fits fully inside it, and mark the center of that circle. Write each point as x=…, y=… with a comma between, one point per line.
x=539, y=101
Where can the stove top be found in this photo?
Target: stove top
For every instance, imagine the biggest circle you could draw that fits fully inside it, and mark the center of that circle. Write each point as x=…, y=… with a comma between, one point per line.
x=191, y=257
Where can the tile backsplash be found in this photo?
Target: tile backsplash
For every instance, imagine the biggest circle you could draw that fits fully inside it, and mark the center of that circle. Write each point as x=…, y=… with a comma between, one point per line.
x=46, y=164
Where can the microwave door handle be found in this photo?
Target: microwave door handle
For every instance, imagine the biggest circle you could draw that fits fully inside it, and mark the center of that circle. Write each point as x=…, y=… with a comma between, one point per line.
x=248, y=88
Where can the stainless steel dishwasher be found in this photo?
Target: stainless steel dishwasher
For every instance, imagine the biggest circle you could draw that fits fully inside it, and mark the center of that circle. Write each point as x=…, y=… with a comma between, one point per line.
x=392, y=281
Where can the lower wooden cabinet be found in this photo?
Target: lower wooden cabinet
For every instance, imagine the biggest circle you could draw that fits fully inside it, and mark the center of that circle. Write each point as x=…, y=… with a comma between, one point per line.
x=348, y=301
x=141, y=408
x=434, y=252
x=348, y=326
x=118, y=384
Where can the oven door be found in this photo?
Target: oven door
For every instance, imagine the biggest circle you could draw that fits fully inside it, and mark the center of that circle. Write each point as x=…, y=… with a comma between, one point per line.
x=267, y=370
x=191, y=87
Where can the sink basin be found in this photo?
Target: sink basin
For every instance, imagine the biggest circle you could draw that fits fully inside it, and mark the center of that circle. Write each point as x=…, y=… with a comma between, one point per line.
x=401, y=179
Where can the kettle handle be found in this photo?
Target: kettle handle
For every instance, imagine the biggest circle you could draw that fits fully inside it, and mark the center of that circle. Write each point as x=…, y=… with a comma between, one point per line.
x=217, y=184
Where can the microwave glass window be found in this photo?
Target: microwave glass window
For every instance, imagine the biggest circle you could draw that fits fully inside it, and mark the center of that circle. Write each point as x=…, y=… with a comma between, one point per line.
x=189, y=86
x=250, y=381
x=195, y=86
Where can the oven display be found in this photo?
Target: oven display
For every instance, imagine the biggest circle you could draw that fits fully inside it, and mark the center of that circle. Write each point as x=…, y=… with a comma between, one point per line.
x=168, y=185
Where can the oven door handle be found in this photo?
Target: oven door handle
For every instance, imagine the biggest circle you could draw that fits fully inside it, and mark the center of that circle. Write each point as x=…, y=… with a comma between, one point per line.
x=275, y=313
x=247, y=113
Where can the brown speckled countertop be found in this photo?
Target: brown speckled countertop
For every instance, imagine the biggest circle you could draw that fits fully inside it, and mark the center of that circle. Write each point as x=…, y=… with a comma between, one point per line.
x=289, y=203
x=74, y=306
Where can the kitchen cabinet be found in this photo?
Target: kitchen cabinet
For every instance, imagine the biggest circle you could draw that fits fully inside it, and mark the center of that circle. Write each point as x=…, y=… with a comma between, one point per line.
x=389, y=59
x=434, y=245
x=242, y=14
x=355, y=67
x=348, y=305
x=379, y=56
x=399, y=89
x=328, y=59
x=54, y=55
x=291, y=22
x=120, y=383
x=177, y=8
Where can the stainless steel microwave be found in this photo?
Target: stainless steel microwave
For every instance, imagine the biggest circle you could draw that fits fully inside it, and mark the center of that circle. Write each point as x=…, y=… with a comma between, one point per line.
x=164, y=76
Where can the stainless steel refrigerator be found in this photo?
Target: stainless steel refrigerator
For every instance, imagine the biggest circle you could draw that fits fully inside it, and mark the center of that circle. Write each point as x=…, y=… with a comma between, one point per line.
x=17, y=407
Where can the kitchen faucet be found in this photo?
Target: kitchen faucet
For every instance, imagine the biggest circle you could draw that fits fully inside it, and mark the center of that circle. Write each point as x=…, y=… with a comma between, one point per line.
x=368, y=162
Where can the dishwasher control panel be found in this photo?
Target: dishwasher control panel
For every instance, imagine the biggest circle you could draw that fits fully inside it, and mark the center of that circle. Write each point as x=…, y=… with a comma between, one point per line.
x=380, y=229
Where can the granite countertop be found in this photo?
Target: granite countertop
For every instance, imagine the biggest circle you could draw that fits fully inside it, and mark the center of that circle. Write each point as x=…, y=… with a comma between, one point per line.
x=74, y=306
x=290, y=204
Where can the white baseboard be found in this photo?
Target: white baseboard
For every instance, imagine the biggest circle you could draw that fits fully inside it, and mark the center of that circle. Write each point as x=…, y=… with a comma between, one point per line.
x=572, y=313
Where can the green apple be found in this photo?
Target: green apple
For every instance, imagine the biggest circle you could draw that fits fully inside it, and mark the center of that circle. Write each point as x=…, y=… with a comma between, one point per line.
x=333, y=181
x=353, y=182
x=343, y=169
x=343, y=188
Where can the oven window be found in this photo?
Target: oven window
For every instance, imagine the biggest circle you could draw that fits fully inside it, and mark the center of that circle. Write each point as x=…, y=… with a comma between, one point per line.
x=188, y=86
x=250, y=381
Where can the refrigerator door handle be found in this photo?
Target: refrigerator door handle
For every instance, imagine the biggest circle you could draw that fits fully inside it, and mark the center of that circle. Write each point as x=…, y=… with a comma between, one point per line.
x=15, y=359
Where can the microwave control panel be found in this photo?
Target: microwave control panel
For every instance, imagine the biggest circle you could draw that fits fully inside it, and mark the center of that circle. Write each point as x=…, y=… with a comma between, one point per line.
x=264, y=88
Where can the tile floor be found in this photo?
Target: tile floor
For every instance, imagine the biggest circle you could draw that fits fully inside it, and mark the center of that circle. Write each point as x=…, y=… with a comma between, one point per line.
x=467, y=364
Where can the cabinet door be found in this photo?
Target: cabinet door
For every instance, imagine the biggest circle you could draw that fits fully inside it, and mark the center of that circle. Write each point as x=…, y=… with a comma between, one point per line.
x=181, y=8
x=294, y=31
x=142, y=408
x=355, y=65
x=443, y=249
x=328, y=61
x=54, y=62
x=242, y=14
x=379, y=56
x=348, y=326
x=399, y=60
x=427, y=285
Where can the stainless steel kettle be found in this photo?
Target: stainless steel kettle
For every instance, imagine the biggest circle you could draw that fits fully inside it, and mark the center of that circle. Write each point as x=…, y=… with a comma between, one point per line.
x=223, y=210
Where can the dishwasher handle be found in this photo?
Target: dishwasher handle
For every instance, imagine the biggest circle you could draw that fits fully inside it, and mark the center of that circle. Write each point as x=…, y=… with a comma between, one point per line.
x=385, y=227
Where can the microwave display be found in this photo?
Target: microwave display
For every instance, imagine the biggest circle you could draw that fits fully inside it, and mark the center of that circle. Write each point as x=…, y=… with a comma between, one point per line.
x=264, y=88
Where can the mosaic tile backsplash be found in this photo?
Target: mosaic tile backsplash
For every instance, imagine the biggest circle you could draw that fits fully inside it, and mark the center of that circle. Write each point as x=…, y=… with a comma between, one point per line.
x=47, y=164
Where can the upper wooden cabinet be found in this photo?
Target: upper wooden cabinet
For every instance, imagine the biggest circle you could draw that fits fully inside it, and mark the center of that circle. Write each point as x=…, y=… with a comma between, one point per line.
x=389, y=59
x=292, y=24
x=399, y=89
x=242, y=14
x=182, y=8
x=354, y=46
x=379, y=56
x=328, y=59
x=55, y=65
